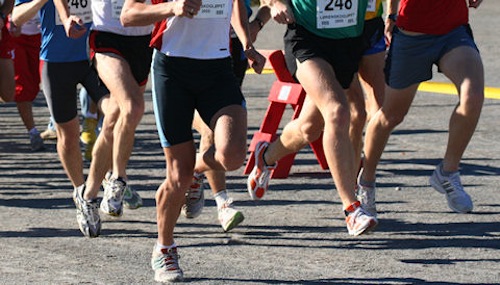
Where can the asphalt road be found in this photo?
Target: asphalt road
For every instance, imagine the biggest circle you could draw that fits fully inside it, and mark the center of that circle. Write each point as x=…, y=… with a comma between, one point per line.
x=296, y=235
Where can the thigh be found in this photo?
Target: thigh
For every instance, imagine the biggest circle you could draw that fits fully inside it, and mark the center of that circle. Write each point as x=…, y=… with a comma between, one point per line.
x=173, y=105
x=59, y=81
x=319, y=81
x=116, y=74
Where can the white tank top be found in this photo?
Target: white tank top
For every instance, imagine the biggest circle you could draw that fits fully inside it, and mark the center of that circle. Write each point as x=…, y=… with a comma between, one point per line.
x=206, y=36
x=32, y=27
x=106, y=18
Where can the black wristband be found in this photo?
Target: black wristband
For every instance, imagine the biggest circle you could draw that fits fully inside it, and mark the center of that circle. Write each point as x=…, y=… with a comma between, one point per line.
x=392, y=17
x=2, y=15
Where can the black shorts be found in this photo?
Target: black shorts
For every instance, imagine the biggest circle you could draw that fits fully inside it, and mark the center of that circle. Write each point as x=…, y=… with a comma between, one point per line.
x=342, y=54
x=59, y=82
x=134, y=49
x=373, y=36
x=181, y=85
x=240, y=61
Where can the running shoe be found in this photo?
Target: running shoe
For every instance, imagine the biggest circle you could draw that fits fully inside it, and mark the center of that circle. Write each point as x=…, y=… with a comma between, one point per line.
x=458, y=200
x=88, y=135
x=87, y=214
x=112, y=201
x=360, y=221
x=49, y=134
x=166, y=265
x=258, y=180
x=229, y=217
x=366, y=195
x=131, y=199
x=36, y=142
x=195, y=198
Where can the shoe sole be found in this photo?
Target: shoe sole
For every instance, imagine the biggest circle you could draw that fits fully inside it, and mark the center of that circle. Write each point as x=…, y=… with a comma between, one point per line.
x=235, y=221
x=371, y=226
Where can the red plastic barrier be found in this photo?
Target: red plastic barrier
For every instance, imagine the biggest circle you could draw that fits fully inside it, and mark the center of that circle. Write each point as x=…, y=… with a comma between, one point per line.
x=284, y=91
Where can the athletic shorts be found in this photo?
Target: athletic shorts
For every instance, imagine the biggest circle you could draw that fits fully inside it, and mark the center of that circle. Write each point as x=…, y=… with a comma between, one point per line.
x=6, y=46
x=410, y=58
x=181, y=85
x=240, y=61
x=59, y=81
x=342, y=54
x=134, y=49
x=27, y=67
x=373, y=35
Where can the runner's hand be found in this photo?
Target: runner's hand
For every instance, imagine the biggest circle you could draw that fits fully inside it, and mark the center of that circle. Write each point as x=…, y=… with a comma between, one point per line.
x=74, y=27
x=257, y=60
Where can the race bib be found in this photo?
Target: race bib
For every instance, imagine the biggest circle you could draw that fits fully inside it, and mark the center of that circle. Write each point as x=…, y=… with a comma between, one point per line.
x=336, y=13
x=80, y=8
x=116, y=8
x=213, y=9
x=372, y=6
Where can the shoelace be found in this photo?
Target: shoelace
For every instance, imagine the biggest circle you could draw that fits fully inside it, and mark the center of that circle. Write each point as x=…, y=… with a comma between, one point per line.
x=227, y=204
x=455, y=182
x=194, y=192
x=170, y=260
x=90, y=210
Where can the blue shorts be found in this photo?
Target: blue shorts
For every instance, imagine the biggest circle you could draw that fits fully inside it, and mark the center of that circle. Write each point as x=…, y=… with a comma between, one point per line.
x=373, y=35
x=410, y=58
x=183, y=85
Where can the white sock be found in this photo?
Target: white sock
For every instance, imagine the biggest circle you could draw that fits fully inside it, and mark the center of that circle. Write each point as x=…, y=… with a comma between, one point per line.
x=160, y=246
x=221, y=198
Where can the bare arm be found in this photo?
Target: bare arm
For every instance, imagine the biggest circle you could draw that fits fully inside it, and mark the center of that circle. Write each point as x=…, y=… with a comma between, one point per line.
x=24, y=12
x=261, y=18
x=239, y=21
x=281, y=11
x=392, y=9
x=138, y=13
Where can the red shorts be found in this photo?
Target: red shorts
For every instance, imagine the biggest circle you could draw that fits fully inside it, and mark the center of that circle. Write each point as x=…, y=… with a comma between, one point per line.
x=6, y=44
x=27, y=67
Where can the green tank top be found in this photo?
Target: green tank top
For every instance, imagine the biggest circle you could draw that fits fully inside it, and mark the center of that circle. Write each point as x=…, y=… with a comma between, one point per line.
x=334, y=19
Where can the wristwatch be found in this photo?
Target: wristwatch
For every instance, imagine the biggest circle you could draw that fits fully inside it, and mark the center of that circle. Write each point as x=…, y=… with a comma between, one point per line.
x=2, y=15
x=392, y=17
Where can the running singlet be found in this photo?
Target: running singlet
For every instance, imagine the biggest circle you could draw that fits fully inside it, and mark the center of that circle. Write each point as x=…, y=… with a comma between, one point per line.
x=334, y=19
x=56, y=46
x=206, y=36
x=374, y=9
x=106, y=18
x=32, y=27
x=431, y=16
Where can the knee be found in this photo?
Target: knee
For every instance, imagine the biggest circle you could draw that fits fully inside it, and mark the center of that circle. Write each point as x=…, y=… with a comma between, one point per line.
x=133, y=112
x=232, y=157
x=338, y=117
x=390, y=120
x=472, y=104
x=310, y=131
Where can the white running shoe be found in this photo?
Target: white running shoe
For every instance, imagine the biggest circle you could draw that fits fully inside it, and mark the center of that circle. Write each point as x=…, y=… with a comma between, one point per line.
x=458, y=200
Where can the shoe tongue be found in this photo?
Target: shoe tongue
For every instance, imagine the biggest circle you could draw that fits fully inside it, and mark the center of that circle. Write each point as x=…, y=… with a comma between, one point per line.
x=168, y=250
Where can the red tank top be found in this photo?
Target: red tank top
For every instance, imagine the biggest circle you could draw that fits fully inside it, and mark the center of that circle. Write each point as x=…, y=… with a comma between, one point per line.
x=435, y=17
